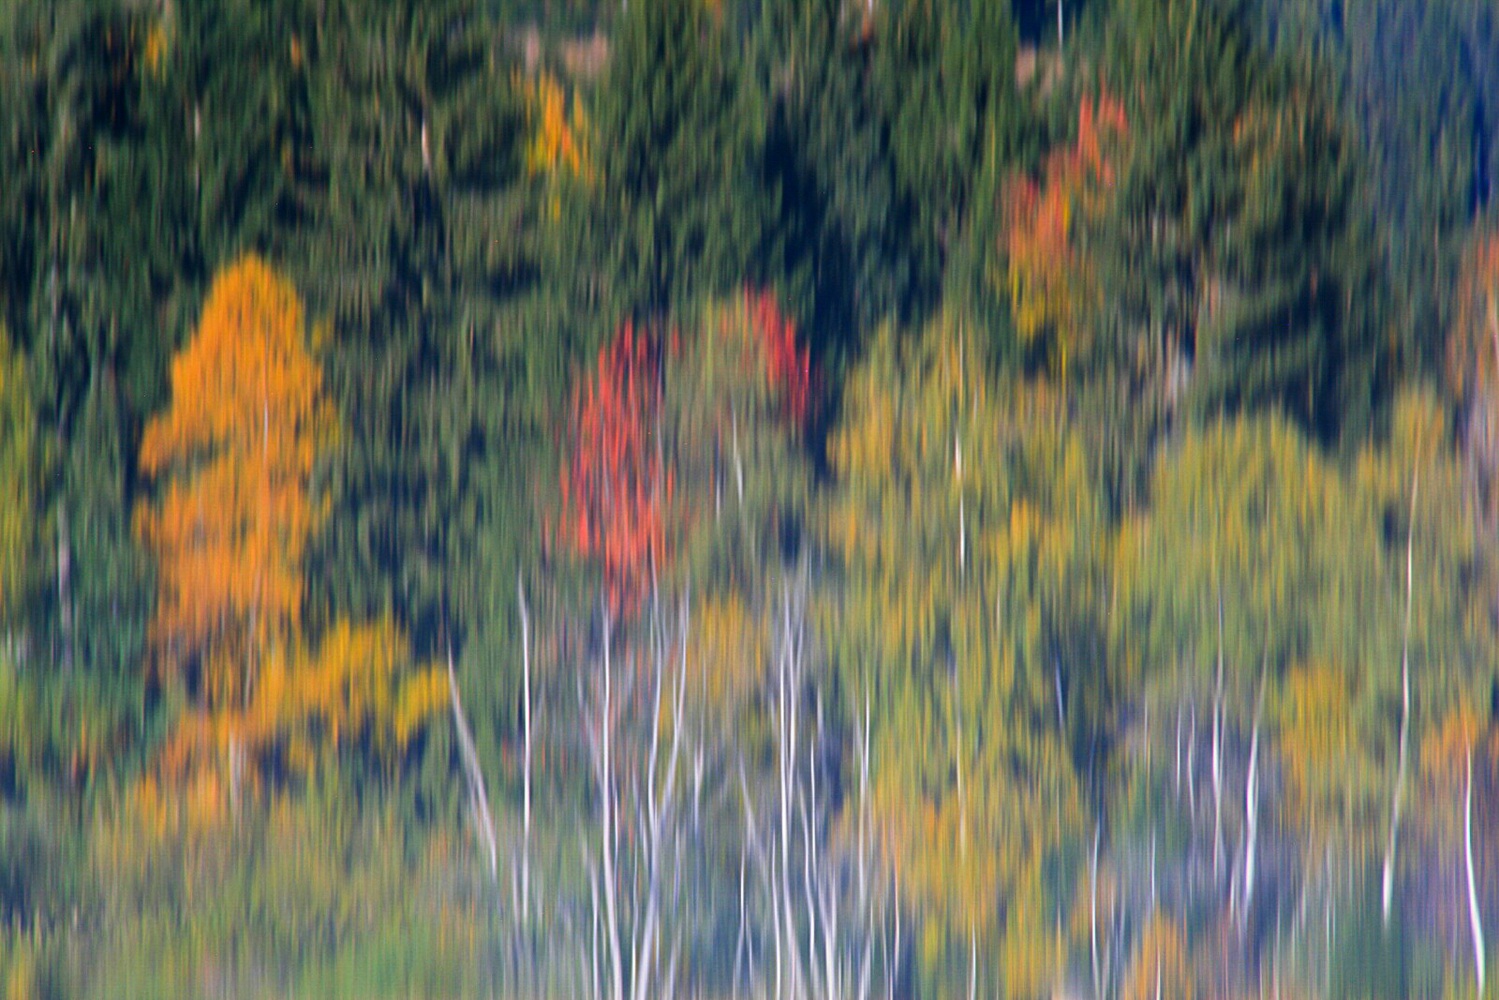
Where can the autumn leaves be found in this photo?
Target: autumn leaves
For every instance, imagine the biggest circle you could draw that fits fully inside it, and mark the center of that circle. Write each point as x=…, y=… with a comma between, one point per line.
x=234, y=457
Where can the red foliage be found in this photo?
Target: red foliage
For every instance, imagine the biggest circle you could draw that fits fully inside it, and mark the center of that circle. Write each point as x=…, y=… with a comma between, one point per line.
x=615, y=491
x=1049, y=280
x=787, y=366
x=1095, y=120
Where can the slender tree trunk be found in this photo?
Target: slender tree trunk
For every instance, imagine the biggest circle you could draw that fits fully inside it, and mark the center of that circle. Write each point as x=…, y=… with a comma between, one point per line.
x=525, y=646
x=973, y=962
x=865, y=905
x=1475, y=921
x=478, y=799
x=787, y=725
x=1398, y=795
x=1192, y=767
x=1093, y=915
x=1218, y=748
x=593, y=954
x=1178, y=752
x=894, y=970
x=1252, y=807
x=606, y=797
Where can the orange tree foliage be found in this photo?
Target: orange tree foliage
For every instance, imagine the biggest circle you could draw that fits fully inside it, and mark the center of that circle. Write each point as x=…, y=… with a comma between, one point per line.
x=1049, y=279
x=236, y=451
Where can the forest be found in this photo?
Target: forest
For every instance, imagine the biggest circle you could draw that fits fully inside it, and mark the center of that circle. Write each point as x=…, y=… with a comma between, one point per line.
x=749, y=498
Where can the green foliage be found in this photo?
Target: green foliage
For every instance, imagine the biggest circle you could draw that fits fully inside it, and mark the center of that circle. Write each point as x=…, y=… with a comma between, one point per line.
x=1239, y=255
x=1418, y=81
x=944, y=81
x=735, y=431
x=677, y=211
x=827, y=162
x=888, y=131
x=312, y=895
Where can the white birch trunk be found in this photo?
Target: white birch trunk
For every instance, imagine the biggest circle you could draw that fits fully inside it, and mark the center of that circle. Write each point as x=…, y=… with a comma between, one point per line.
x=525, y=646
x=1093, y=915
x=478, y=799
x=1475, y=920
x=1397, y=797
x=1218, y=749
x=1252, y=808
x=606, y=802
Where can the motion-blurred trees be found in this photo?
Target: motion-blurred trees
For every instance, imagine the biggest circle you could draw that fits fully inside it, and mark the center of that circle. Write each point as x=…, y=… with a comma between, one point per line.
x=1239, y=262
x=964, y=526
x=18, y=474
x=237, y=450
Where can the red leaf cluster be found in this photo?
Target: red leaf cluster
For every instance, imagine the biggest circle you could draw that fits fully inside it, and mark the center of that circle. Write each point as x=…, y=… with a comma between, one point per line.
x=615, y=488
x=1048, y=279
x=787, y=366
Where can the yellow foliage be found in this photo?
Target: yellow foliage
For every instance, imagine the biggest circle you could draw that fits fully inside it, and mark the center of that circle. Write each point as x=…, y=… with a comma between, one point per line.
x=157, y=43
x=731, y=650
x=1160, y=967
x=17, y=447
x=965, y=528
x=1318, y=745
x=557, y=142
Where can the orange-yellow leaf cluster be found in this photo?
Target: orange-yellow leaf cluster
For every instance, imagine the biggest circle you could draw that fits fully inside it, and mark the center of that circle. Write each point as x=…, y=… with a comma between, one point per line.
x=1050, y=282
x=236, y=450
x=557, y=132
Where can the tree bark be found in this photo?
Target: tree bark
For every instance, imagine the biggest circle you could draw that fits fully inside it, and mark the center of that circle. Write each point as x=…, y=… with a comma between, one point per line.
x=1252, y=807
x=1218, y=749
x=1397, y=797
x=525, y=646
x=1475, y=920
x=478, y=799
x=1093, y=915
x=606, y=798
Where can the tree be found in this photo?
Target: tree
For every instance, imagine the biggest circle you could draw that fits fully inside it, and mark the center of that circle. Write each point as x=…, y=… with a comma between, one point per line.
x=943, y=76
x=738, y=398
x=237, y=450
x=1050, y=277
x=616, y=489
x=1238, y=255
x=828, y=169
x=676, y=212
x=17, y=477
x=1263, y=579
x=963, y=528
x=1414, y=78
